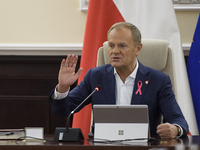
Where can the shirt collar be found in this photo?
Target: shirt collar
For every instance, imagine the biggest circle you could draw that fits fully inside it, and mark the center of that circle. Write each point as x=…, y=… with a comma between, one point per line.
x=133, y=74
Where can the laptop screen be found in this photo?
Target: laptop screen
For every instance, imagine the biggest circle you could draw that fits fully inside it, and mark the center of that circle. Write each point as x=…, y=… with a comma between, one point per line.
x=121, y=113
x=120, y=122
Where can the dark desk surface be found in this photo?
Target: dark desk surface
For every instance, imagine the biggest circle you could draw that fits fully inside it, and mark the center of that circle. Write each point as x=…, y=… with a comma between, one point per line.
x=88, y=145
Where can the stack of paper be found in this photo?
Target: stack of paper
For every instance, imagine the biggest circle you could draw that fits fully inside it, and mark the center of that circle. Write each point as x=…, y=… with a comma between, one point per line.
x=14, y=134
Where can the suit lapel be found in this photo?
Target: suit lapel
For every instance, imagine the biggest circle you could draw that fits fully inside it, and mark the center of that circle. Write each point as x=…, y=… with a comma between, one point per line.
x=109, y=84
x=141, y=83
x=108, y=81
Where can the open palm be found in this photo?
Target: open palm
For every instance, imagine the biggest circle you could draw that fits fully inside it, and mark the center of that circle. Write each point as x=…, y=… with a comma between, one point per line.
x=67, y=75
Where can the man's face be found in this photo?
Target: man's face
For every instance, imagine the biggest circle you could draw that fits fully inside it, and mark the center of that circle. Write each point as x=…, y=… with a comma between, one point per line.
x=121, y=49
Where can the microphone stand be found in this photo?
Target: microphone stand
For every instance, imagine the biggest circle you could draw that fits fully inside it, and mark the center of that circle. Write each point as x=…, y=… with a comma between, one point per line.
x=71, y=134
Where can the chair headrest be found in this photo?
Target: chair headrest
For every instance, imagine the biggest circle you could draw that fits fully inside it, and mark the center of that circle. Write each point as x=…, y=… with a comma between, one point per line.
x=152, y=49
x=105, y=52
x=156, y=50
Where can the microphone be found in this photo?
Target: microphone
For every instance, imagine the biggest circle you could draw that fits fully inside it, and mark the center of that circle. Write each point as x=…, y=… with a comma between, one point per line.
x=72, y=134
x=97, y=88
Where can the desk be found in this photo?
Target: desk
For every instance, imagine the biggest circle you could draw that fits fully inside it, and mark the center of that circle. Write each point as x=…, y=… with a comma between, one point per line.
x=88, y=145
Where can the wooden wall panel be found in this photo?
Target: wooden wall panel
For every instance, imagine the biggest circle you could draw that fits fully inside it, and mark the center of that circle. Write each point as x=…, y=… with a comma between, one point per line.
x=26, y=82
x=20, y=112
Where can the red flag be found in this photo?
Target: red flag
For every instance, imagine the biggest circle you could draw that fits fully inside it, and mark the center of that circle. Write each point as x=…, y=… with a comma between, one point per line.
x=101, y=15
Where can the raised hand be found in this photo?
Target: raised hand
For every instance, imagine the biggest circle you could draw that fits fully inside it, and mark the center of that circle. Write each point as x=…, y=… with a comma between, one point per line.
x=67, y=75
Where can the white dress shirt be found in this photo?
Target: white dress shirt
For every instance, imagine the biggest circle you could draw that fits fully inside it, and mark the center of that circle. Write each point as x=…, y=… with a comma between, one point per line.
x=57, y=95
x=124, y=91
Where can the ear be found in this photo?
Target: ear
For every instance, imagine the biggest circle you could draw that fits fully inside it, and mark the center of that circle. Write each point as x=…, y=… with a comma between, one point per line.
x=138, y=49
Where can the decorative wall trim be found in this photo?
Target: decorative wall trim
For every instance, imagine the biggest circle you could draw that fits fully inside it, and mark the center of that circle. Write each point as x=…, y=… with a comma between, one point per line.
x=178, y=6
x=186, y=49
x=40, y=49
x=187, y=7
x=84, y=5
x=52, y=49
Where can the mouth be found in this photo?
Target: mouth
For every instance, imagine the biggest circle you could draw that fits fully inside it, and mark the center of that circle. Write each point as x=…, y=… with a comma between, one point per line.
x=116, y=58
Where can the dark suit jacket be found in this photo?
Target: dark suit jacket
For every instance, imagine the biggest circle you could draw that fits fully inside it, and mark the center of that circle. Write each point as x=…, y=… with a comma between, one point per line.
x=156, y=92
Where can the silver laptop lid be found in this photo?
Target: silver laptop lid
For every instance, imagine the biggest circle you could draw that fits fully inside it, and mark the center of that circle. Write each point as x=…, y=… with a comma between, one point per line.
x=120, y=113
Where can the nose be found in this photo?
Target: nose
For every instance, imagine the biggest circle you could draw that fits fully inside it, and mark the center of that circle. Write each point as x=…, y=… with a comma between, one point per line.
x=116, y=50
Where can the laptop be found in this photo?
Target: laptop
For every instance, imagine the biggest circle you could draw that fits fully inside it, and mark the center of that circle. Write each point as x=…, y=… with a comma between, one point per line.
x=121, y=122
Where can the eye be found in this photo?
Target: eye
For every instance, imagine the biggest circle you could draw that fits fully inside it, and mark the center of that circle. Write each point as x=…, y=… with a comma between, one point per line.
x=123, y=46
x=111, y=45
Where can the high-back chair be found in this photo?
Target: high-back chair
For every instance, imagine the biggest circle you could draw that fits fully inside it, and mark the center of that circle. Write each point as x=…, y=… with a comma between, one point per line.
x=154, y=53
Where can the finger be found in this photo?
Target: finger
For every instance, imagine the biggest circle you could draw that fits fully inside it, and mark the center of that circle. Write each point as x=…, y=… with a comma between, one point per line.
x=67, y=61
x=160, y=129
x=161, y=133
x=75, y=58
x=163, y=126
x=79, y=72
x=160, y=126
x=71, y=60
x=75, y=61
x=62, y=64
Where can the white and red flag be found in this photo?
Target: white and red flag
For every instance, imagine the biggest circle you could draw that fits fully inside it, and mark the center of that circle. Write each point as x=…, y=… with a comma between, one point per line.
x=156, y=20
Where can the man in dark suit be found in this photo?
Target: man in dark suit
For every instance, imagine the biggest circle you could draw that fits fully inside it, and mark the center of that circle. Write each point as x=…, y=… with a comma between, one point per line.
x=125, y=81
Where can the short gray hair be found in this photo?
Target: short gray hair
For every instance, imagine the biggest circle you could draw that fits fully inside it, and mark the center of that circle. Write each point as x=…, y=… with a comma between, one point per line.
x=134, y=30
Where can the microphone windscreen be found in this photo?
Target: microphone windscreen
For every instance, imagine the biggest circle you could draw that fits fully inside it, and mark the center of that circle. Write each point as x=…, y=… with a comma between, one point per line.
x=98, y=87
